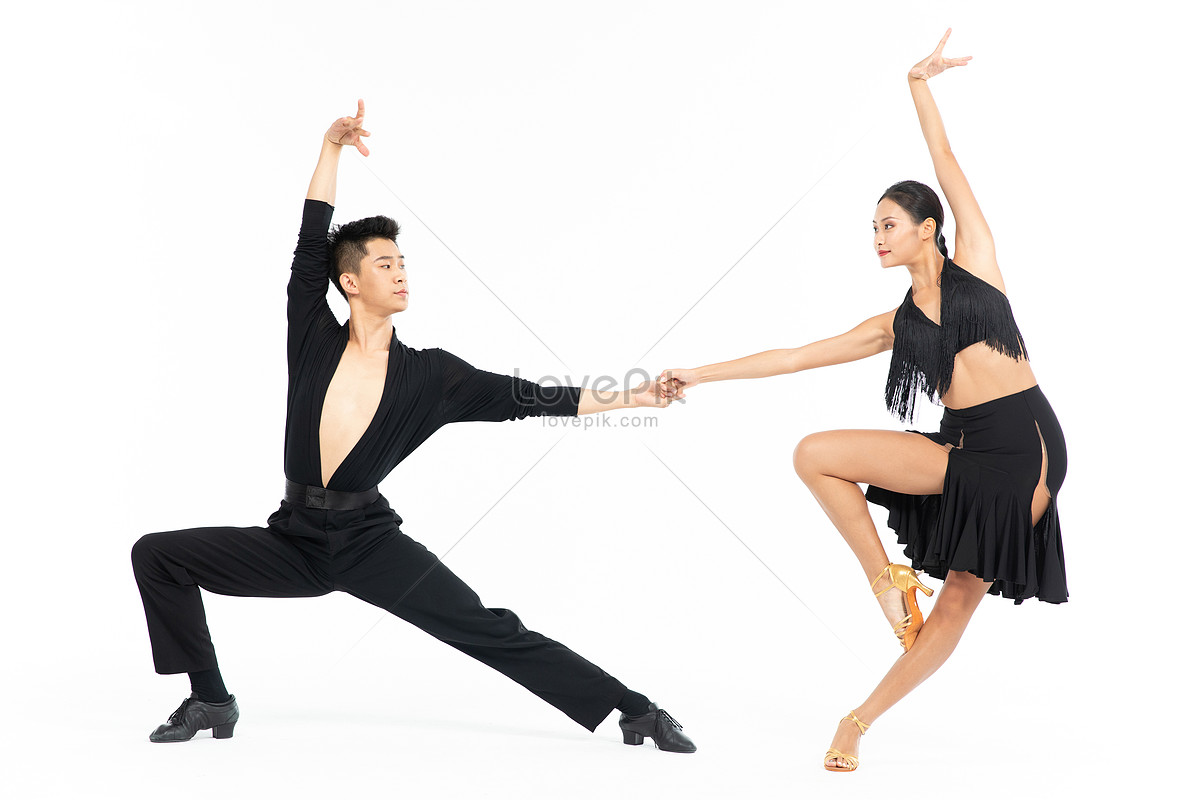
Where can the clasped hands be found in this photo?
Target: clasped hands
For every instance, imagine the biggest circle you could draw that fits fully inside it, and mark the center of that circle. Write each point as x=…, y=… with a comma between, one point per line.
x=673, y=383
x=668, y=387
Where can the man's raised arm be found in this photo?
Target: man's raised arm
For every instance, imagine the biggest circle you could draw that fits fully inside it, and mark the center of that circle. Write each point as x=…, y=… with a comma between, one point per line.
x=309, y=283
x=347, y=130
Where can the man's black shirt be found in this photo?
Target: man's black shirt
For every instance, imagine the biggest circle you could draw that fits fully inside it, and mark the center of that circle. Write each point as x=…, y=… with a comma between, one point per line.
x=423, y=390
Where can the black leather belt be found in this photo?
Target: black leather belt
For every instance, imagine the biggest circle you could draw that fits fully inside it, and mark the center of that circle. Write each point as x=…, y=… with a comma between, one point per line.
x=320, y=497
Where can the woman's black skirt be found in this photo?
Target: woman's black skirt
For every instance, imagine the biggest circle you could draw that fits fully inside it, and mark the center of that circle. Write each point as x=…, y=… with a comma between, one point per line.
x=982, y=522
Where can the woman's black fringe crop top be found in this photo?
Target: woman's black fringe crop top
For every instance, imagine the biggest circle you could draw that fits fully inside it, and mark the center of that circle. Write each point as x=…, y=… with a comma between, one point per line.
x=923, y=352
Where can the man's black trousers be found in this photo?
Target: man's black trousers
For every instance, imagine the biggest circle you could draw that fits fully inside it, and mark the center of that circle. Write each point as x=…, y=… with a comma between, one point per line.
x=308, y=552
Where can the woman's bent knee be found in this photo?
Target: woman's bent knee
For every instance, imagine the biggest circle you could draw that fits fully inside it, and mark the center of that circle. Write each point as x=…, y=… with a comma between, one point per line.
x=806, y=458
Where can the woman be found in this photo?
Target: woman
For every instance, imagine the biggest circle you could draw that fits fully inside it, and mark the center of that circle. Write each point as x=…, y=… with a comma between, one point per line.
x=974, y=503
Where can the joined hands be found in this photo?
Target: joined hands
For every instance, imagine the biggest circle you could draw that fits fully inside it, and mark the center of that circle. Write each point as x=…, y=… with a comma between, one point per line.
x=671, y=383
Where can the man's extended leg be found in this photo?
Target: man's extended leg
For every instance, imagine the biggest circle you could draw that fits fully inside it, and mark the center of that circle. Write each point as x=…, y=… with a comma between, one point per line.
x=399, y=575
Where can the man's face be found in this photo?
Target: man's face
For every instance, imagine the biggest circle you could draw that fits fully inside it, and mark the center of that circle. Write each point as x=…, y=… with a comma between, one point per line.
x=382, y=282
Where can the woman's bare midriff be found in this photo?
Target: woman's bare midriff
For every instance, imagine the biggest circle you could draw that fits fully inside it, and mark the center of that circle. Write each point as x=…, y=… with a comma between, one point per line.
x=982, y=374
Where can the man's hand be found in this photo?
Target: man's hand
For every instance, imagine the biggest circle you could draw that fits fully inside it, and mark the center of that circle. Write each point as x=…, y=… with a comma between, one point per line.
x=349, y=130
x=650, y=395
x=647, y=395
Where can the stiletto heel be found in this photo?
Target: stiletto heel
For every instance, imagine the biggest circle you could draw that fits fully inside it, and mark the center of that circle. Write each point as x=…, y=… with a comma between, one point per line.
x=851, y=761
x=633, y=737
x=906, y=580
x=223, y=731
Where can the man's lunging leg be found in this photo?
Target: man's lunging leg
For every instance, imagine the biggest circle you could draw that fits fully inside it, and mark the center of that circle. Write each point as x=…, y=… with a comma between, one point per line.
x=405, y=579
x=170, y=568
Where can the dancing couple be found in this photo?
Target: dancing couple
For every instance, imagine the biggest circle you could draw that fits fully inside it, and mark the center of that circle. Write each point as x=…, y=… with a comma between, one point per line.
x=974, y=503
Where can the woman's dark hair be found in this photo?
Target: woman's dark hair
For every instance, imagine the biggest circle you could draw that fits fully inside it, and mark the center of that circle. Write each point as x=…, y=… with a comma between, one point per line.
x=921, y=203
x=348, y=245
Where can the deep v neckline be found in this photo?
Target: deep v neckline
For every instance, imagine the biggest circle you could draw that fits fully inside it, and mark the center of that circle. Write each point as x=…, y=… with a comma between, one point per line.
x=388, y=380
x=946, y=264
x=924, y=316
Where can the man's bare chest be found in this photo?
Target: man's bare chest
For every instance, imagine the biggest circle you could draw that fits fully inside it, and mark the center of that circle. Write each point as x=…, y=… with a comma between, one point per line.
x=351, y=402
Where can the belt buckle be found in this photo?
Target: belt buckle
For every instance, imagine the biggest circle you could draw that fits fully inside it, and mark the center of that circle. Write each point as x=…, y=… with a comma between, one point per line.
x=314, y=496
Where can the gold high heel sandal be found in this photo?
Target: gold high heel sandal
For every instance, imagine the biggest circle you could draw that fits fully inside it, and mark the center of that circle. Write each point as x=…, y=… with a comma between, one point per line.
x=904, y=579
x=851, y=761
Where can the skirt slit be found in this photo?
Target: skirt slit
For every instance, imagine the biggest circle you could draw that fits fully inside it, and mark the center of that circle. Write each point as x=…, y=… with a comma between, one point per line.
x=982, y=522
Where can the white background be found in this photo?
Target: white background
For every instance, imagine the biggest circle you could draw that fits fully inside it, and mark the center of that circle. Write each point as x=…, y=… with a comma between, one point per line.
x=599, y=166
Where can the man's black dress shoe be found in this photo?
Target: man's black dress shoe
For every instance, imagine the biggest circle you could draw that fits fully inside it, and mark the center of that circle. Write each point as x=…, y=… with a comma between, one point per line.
x=658, y=725
x=197, y=715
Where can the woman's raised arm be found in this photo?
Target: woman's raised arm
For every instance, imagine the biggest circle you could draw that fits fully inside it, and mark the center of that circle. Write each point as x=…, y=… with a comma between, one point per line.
x=973, y=245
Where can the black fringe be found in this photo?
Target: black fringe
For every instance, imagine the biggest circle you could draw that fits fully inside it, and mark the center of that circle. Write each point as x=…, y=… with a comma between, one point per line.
x=923, y=353
x=914, y=350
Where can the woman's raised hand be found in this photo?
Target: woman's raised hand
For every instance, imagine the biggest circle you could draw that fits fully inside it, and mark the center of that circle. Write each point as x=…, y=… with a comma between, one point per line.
x=935, y=64
x=349, y=130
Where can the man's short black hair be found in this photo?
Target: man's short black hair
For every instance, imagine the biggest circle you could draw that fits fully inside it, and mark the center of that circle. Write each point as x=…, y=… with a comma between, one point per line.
x=348, y=245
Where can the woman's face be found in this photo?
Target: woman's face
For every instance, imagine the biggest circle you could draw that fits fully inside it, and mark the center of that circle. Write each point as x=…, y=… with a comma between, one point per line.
x=897, y=239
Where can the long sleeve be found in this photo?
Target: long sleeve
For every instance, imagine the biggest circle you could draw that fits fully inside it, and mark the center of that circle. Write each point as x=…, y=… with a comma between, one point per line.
x=308, y=286
x=473, y=395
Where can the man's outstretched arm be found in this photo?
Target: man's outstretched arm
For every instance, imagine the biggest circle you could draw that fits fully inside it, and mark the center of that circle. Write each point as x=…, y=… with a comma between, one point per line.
x=475, y=395
x=646, y=395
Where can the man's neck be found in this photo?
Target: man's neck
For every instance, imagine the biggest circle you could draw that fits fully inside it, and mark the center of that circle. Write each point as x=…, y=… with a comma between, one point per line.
x=370, y=333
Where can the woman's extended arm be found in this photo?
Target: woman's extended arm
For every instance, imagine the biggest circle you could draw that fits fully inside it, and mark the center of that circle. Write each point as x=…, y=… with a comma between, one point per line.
x=866, y=339
x=973, y=245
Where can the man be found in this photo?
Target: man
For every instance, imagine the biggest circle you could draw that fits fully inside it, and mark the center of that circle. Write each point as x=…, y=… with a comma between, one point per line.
x=359, y=401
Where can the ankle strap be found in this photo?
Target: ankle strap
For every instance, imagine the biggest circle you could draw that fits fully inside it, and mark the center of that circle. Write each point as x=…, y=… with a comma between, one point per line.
x=862, y=726
x=888, y=572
